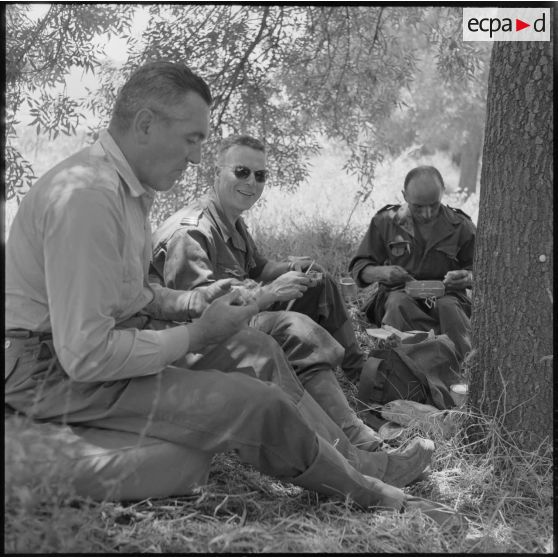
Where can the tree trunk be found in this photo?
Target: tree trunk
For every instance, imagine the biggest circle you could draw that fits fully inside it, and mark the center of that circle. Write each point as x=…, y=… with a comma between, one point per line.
x=470, y=158
x=511, y=372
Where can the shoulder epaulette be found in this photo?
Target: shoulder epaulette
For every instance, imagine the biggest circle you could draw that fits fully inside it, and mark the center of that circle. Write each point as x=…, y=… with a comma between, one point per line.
x=390, y=206
x=459, y=212
x=192, y=216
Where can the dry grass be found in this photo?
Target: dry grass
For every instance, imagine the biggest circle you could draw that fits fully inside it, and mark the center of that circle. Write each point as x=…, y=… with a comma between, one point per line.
x=240, y=511
x=506, y=494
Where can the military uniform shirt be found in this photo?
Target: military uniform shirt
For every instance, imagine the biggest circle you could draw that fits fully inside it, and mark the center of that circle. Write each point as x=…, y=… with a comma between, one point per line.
x=196, y=245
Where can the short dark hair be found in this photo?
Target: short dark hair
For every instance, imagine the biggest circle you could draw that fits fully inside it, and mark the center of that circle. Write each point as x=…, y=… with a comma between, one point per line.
x=423, y=170
x=161, y=83
x=245, y=140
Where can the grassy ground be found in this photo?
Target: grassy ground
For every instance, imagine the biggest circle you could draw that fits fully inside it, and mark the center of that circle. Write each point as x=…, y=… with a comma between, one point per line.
x=505, y=493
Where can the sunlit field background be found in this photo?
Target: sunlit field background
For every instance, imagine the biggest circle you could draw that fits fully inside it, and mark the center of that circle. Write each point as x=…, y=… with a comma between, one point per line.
x=323, y=218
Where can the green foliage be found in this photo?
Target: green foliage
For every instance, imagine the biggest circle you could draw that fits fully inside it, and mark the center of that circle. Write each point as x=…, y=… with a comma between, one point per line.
x=445, y=103
x=289, y=74
x=437, y=115
x=39, y=54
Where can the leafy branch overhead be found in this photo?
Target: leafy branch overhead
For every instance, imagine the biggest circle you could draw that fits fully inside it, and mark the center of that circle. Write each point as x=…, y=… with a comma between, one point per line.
x=289, y=74
x=39, y=55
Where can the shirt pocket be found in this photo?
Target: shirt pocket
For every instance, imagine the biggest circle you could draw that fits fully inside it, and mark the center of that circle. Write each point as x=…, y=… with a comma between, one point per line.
x=399, y=252
x=229, y=268
x=447, y=253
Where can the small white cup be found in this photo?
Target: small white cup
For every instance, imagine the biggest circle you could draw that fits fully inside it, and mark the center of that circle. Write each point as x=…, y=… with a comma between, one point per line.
x=459, y=393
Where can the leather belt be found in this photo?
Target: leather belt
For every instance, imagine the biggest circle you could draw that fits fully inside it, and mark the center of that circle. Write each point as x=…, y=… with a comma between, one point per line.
x=28, y=334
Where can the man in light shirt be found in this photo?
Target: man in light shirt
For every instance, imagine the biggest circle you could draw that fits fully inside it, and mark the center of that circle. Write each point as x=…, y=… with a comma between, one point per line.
x=91, y=344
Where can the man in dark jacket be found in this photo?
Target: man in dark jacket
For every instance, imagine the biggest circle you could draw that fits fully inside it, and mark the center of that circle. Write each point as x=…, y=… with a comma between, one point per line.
x=421, y=239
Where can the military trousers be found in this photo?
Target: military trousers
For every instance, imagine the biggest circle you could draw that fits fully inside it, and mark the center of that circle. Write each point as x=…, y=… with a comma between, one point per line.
x=313, y=354
x=256, y=406
x=448, y=315
x=325, y=305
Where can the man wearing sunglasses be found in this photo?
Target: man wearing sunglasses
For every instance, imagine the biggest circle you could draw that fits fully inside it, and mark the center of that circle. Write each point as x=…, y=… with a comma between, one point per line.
x=207, y=243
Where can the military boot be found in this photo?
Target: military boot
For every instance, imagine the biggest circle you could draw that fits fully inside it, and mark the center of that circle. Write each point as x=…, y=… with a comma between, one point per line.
x=397, y=467
x=331, y=474
x=325, y=389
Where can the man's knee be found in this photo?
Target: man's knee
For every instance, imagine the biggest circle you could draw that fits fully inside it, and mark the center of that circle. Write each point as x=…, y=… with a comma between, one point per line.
x=301, y=338
x=305, y=328
x=396, y=300
x=257, y=342
x=448, y=303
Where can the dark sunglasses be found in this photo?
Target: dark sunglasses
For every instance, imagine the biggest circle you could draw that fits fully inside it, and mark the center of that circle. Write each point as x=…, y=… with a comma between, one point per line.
x=243, y=173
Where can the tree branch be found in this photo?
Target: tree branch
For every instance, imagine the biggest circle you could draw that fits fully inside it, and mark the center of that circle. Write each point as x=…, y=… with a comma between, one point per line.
x=377, y=29
x=34, y=37
x=241, y=64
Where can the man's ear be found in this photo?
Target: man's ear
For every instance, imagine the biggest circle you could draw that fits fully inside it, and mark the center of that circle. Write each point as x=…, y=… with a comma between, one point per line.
x=404, y=194
x=142, y=124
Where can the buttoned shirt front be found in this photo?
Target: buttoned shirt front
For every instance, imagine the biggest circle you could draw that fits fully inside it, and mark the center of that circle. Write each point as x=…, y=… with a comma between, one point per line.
x=77, y=259
x=197, y=245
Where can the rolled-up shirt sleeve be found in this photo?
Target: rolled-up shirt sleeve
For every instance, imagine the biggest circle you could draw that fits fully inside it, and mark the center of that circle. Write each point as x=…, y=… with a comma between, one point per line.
x=83, y=261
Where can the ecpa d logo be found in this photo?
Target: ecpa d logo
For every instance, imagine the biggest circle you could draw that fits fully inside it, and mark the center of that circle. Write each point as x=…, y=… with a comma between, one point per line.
x=506, y=24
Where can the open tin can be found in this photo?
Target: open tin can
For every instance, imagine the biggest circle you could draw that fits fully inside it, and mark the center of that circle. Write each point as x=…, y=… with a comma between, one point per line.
x=349, y=289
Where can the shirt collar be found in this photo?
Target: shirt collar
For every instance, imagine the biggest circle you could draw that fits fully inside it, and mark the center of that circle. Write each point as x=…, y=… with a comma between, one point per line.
x=122, y=166
x=404, y=219
x=445, y=218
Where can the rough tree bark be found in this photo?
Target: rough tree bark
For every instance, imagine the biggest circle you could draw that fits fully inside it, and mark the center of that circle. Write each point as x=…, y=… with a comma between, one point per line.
x=470, y=159
x=511, y=372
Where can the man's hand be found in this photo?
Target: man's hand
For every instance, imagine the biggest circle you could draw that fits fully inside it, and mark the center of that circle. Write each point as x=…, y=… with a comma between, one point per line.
x=395, y=275
x=288, y=286
x=217, y=289
x=458, y=280
x=224, y=317
x=390, y=274
x=199, y=299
